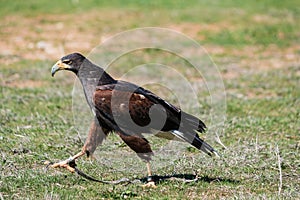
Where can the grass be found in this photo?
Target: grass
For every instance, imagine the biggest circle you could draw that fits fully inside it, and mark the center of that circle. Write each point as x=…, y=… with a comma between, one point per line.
x=254, y=44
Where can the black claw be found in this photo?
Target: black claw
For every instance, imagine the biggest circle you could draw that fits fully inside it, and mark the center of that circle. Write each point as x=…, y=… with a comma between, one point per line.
x=72, y=163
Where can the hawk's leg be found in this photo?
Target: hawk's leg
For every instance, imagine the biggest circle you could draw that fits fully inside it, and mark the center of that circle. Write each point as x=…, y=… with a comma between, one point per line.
x=95, y=137
x=142, y=147
x=150, y=180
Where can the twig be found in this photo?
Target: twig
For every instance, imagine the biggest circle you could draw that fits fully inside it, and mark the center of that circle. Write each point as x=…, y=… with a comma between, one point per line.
x=256, y=144
x=279, y=168
x=218, y=140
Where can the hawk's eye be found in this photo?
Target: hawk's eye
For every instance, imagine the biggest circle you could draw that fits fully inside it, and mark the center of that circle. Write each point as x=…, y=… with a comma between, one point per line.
x=68, y=62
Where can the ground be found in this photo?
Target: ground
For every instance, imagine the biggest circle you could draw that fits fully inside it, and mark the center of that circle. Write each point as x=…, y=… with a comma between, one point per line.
x=255, y=46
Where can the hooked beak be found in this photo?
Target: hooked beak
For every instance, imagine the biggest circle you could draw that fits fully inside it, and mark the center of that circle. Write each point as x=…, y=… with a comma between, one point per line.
x=59, y=65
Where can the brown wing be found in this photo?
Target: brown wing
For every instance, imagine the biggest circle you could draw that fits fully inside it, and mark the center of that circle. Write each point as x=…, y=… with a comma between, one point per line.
x=135, y=109
x=123, y=109
x=132, y=110
x=129, y=111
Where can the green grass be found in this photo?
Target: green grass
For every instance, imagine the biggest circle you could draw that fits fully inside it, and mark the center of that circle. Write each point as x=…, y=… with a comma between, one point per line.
x=279, y=25
x=280, y=34
x=262, y=104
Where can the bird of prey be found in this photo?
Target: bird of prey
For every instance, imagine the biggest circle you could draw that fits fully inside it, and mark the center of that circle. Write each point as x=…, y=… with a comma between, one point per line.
x=129, y=111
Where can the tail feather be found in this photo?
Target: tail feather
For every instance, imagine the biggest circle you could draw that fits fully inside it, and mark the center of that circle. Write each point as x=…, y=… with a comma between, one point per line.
x=203, y=146
x=192, y=122
x=189, y=126
x=196, y=141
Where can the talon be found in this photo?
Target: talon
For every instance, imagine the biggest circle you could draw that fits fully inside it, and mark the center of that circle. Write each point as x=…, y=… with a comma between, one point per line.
x=150, y=184
x=71, y=169
x=68, y=164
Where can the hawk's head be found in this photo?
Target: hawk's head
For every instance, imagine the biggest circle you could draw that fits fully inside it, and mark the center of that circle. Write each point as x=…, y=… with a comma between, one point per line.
x=71, y=62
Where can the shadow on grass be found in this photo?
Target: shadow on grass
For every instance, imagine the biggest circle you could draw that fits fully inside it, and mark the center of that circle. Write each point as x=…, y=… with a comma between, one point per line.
x=188, y=178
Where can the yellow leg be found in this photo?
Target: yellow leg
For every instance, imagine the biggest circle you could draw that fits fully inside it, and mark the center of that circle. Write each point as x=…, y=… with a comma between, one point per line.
x=65, y=163
x=149, y=169
x=151, y=183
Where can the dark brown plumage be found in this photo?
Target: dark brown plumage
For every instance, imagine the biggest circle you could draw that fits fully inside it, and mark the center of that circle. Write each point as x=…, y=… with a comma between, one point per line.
x=128, y=110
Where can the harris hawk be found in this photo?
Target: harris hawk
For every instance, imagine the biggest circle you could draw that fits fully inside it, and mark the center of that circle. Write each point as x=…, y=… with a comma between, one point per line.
x=128, y=110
